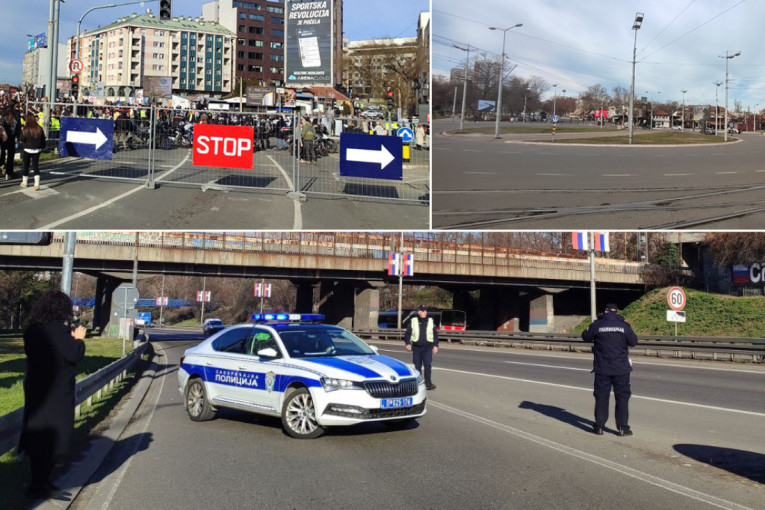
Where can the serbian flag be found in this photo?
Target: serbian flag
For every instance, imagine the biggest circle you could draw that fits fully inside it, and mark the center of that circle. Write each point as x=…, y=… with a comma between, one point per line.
x=161, y=301
x=601, y=241
x=203, y=296
x=580, y=240
x=263, y=290
x=409, y=264
x=394, y=264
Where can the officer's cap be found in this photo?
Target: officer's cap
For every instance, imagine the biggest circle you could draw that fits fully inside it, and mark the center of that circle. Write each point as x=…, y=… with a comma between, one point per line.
x=610, y=307
x=422, y=308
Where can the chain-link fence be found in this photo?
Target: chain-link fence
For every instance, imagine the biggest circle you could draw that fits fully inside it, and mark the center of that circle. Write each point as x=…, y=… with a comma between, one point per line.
x=290, y=153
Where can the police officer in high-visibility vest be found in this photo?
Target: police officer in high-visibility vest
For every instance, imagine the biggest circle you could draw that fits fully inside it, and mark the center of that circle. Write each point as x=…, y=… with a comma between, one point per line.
x=611, y=337
x=421, y=338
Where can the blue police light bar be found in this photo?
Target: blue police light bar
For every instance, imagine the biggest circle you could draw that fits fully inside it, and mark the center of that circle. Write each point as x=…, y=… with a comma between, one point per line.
x=287, y=317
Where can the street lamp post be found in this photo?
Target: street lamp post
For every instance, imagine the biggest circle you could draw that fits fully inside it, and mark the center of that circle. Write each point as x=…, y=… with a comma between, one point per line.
x=754, y=126
x=464, y=87
x=717, y=102
x=501, y=72
x=682, y=124
x=635, y=26
x=555, y=96
x=727, y=57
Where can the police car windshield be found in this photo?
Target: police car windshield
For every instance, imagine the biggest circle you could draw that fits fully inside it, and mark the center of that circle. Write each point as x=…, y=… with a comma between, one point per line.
x=322, y=341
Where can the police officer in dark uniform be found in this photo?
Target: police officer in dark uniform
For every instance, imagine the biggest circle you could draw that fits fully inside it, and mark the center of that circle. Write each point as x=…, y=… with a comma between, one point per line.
x=421, y=338
x=611, y=337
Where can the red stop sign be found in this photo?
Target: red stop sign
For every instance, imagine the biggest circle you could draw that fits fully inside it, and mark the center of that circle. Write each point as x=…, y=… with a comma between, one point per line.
x=223, y=146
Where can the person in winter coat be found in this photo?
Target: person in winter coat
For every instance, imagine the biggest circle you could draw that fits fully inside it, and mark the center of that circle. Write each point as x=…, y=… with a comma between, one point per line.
x=612, y=337
x=53, y=347
x=12, y=127
x=33, y=139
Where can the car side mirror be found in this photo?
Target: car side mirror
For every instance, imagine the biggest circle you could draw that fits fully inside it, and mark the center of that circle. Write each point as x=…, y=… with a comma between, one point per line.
x=375, y=348
x=268, y=353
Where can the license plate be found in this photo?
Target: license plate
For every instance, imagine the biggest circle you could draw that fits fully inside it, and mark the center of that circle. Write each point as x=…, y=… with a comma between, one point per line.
x=390, y=403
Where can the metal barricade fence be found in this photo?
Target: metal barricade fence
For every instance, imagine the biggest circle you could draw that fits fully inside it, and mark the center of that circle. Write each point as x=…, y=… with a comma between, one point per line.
x=154, y=145
x=132, y=133
x=319, y=171
x=272, y=167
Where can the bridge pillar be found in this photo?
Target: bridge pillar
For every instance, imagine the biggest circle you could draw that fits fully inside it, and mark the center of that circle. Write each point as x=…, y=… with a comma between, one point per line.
x=367, y=306
x=304, y=300
x=336, y=302
x=105, y=286
x=542, y=314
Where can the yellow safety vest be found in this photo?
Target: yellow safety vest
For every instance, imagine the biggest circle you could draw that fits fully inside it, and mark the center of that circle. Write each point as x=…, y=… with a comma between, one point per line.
x=416, y=330
x=55, y=124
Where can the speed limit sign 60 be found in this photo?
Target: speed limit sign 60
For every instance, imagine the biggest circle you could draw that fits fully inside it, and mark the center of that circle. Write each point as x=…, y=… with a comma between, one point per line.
x=676, y=298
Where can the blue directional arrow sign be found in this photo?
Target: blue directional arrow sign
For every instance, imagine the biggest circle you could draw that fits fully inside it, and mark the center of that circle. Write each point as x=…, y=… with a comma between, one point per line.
x=86, y=138
x=406, y=134
x=372, y=156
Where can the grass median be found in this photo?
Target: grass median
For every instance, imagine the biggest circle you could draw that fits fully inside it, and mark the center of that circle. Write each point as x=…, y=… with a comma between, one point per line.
x=527, y=130
x=14, y=471
x=662, y=138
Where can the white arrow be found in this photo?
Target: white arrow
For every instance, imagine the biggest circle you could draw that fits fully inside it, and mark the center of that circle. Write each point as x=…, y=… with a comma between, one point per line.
x=97, y=138
x=383, y=156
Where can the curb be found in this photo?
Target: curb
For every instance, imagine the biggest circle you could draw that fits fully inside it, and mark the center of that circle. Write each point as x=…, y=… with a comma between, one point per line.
x=79, y=473
x=648, y=146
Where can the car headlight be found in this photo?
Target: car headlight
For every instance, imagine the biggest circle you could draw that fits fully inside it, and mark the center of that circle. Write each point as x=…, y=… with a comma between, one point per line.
x=330, y=384
x=419, y=378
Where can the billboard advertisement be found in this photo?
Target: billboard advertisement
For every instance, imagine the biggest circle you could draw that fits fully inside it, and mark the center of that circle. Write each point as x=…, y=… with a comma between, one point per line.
x=259, y=96
x=157, y=86
x=308, y=43
x=486, y=106
x=39, y=41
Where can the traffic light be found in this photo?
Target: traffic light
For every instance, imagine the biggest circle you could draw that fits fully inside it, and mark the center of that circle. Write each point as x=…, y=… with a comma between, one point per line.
x=36, y=238
x=390, y=99
x=75, y=85
x=165, y=9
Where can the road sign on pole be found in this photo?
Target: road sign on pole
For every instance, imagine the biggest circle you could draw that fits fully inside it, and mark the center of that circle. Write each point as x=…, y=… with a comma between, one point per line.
x=86, y=138
x=75, y=66
x=675, y=316
x=676, y=299
x=406, y=134
x=377, y=157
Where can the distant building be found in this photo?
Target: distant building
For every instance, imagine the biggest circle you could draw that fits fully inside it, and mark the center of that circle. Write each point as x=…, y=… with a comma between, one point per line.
x=36, y=68
x=423, y=47
x=197, y=54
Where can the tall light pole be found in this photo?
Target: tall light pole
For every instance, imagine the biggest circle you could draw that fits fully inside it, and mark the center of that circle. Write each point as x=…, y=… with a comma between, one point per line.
x=635, y=26
x=464, y=87
x=717, y=115
x=564, y=105
x=683, y=123
x=501, y=72
x=754, y=126
x=555, y=96
x=727, y=57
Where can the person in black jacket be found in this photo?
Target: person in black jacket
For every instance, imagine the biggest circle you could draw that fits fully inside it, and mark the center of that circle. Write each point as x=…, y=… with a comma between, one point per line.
x=611, y=337
x=12, y=127
x=33, y=138
x=53, y=347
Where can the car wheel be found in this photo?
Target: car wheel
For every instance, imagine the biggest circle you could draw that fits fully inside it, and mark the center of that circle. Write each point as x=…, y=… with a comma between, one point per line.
x=299, y=415
x=197, y=405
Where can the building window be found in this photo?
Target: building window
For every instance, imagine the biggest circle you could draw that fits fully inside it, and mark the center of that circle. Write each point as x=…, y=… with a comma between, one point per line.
x=277, y=58
x=255, y=69
x=240, y=67
x=278, y=21
x=277, y=33
x=277, y=45
x=275, y=10
x=256, y=17
x=256, y=30
x=242, y=28
x=277, y=70
x=239, y=54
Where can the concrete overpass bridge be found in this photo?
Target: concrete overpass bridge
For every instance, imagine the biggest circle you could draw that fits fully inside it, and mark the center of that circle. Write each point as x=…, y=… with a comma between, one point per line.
x=516, y=289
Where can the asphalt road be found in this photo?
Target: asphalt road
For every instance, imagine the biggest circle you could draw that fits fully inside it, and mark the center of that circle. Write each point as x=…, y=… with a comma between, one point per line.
x=481, y=182
x=90, y=194
x=504, y=429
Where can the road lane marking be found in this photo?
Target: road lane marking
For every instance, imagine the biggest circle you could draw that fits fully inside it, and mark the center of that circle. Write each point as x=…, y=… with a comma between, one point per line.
x=675, y=175
x=553, y=175
x=548, y=366
x=124, y=467
x=566, y=386
x=608, y=464
x=725, y=173
x=112, y=200
x=617, y=175
x=480, y=173
x=298, y=211
x=470, y=150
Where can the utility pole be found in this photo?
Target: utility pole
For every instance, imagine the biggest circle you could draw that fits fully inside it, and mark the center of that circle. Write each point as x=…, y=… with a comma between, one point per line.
x=464, y=88
x=635, y=26
x=400, y=277
x=593, y=309
x=727, y=57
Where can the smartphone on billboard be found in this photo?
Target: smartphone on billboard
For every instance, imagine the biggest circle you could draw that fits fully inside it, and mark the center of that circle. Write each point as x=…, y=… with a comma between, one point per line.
x=308, y=43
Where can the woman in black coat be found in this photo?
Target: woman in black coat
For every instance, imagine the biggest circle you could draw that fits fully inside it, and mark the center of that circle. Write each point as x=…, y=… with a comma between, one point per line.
x=53, y=348
x=12, y=128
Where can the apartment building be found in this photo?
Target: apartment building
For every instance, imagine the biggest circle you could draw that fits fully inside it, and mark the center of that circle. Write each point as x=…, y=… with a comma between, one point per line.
x=197, y=54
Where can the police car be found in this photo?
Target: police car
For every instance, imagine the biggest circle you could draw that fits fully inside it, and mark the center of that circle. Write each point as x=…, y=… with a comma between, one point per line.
x=310, y=374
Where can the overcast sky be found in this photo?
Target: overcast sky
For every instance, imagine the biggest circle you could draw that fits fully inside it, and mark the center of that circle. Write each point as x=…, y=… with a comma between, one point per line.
x=580, y=43
x=390, y=18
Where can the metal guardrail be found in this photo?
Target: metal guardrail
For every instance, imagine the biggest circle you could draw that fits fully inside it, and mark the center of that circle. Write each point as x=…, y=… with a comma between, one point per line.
x=94, y=384
x=717, y=348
